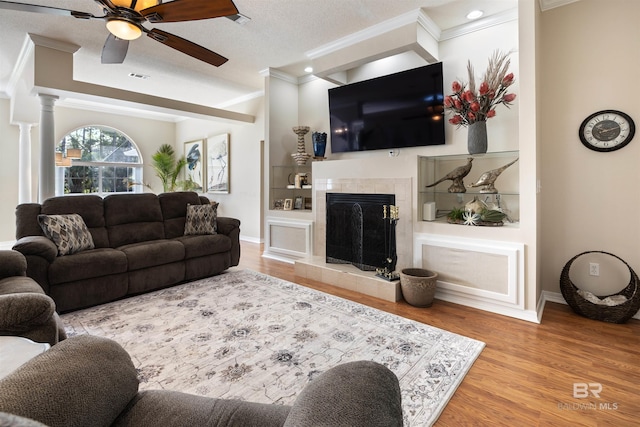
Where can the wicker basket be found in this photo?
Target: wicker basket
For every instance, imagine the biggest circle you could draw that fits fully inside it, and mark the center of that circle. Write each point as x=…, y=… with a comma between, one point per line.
x=615, y=314
x=418, y=286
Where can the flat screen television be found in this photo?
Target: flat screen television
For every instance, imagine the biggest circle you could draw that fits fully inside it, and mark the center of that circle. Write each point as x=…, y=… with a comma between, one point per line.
x=395, y=111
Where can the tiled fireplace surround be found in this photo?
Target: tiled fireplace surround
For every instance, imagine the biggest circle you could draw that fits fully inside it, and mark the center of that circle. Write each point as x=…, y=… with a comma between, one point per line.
x=347, y=276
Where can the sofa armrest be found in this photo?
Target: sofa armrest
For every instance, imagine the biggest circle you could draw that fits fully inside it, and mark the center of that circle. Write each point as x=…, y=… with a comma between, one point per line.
x=37, y=246
x=12, y=263
x=231, y=227
x=82, y=381
x=355, y=394
x=22, y=312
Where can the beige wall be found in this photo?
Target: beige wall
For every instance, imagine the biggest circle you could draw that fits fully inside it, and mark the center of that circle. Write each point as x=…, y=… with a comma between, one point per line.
x=245, y=170
x=590, y=61
x=9, y=137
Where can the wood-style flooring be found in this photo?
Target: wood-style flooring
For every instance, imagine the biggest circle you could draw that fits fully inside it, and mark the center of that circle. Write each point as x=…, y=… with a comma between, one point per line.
x=528, y=373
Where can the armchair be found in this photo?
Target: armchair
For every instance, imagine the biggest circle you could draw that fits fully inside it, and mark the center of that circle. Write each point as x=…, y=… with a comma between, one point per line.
x=25, y=310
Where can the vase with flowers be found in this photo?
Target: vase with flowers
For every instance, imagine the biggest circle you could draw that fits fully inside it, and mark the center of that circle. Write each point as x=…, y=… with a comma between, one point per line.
x=472, y=105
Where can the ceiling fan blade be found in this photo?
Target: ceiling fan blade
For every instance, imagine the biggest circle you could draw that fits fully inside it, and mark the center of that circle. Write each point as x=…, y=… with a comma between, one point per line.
x=189, y=10
x=23, y=7
x=114, y=50
x=187, y=47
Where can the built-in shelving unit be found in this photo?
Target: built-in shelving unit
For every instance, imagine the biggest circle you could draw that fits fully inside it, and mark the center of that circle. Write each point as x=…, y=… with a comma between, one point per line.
x=283, y=187
x=433, y=168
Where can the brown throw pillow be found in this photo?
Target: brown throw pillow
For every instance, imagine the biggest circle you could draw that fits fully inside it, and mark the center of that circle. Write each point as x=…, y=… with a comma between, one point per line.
x=68, y=232
x=201, y=219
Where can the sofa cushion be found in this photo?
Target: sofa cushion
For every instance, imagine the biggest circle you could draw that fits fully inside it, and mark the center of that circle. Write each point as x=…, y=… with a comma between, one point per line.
x=87, y=265
x=201, y=219
x=133, y=218
x=68, y=232
x=174, y=210
x=89, y=206
x=153, y=253
x=206, y=244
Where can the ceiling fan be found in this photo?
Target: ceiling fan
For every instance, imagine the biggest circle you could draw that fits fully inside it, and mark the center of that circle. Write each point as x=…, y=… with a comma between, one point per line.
x=124, y=20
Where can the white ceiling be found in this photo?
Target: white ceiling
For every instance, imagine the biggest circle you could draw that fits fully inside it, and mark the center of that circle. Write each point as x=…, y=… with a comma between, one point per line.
x=279, y=36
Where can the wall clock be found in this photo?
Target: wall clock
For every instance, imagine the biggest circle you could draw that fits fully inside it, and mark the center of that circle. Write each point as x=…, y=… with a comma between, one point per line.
x=607, y=130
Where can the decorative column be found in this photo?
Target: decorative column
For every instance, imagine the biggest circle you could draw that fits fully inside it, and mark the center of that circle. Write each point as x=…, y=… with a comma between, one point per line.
x=24, y=164
x=47, y=182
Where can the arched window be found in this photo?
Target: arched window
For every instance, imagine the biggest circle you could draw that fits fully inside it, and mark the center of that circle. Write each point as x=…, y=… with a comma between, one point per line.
x=99, y=160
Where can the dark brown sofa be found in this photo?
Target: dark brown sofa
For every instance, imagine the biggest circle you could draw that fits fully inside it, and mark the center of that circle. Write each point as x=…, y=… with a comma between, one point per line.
x=139, y=246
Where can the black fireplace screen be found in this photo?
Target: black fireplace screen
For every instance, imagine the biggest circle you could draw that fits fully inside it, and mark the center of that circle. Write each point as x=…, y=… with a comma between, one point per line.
x=356, y=230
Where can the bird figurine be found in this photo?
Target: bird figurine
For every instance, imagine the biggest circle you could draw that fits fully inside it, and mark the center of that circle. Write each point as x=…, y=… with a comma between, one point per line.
x=457, y=176
x=488, y=178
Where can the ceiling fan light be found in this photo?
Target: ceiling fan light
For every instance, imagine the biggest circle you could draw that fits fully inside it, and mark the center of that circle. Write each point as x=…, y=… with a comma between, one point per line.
x=123, y=29
x=138, y=6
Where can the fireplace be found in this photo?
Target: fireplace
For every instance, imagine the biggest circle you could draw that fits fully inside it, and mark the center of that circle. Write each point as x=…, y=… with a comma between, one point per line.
x=356, y=232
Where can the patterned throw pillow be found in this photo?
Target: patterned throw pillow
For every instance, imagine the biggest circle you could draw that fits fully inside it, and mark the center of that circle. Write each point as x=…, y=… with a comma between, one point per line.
x=68, y=232
x=201, y=219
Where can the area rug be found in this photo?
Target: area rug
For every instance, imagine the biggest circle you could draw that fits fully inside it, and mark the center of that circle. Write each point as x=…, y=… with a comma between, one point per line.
x=249, y=336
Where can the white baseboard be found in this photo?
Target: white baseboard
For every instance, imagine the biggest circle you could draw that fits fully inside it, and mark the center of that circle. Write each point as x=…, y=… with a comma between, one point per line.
x=471, y=301
x=251, y=239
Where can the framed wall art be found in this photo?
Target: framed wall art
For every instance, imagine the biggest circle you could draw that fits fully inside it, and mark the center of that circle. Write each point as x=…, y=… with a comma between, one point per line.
x=218, y=164
x=194, y=169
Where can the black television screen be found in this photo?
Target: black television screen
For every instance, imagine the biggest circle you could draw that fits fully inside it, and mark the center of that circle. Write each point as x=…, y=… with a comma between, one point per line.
x=395, y=111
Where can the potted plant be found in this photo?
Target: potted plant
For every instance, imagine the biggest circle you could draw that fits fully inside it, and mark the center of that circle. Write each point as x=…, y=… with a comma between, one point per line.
x=167, y=166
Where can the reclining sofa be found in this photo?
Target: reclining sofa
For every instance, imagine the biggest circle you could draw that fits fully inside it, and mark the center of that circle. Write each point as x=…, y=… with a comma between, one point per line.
x=139, y=245
x=90, y=381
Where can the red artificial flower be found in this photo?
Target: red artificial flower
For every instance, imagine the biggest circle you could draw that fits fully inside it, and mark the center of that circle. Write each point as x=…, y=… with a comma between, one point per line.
x=507, y=80
x=448, y=101
x=455, y=120
x=468, y=96
x=469, y=106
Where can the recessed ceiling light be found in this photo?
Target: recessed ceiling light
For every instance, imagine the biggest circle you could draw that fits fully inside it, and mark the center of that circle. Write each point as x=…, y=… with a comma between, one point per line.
x=475, y=14
x=308, y=70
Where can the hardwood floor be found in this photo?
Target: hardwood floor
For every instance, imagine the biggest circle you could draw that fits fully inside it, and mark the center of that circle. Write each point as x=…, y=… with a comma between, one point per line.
x=525, y=375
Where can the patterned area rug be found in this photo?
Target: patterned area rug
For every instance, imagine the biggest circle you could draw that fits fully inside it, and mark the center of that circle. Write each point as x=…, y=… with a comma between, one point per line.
x=250, y=336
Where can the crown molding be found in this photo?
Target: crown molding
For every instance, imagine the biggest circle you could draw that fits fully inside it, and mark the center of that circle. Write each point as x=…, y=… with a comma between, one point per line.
x=552, y=4
x=271, y=72
x=481, y=24
x=411, y=17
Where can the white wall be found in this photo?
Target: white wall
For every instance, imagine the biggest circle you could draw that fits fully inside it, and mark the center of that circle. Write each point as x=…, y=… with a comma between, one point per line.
x=590, y=61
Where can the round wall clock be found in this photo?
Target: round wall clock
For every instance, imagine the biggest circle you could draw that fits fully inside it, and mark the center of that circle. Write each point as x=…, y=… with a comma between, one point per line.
x=607, y=130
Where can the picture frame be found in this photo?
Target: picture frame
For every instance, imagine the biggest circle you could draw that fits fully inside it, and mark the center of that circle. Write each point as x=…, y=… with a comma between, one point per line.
x=308, y=204
x=288, y=204
x=298, y=203
x=278, y=204
x=218, y=164
x=194, y=152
